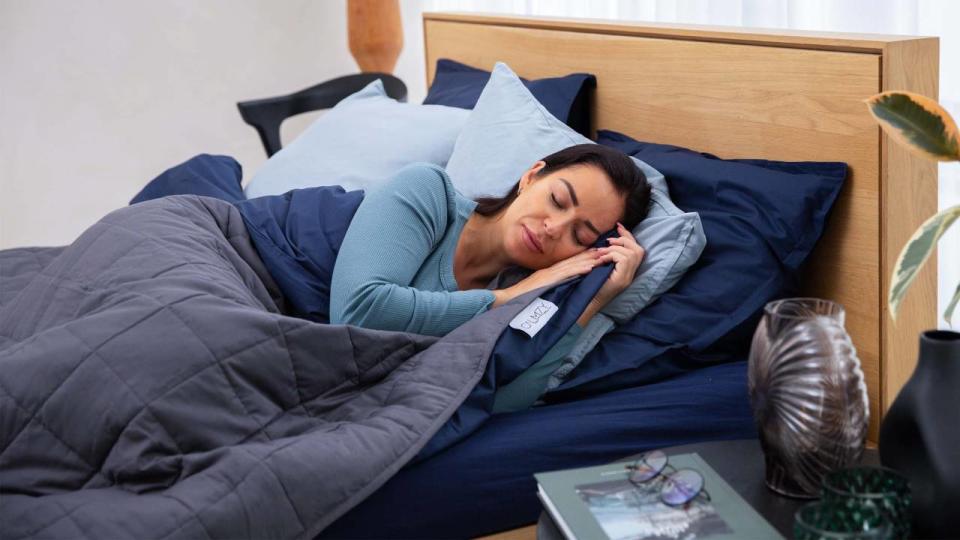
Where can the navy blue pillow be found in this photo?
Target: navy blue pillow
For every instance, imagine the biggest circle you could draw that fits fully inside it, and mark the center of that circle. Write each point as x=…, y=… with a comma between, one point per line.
x=761, y=218
x=567, y=98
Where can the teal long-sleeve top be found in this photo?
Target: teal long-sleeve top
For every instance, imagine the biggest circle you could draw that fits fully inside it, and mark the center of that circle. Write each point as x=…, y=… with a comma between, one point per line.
x=394, y=270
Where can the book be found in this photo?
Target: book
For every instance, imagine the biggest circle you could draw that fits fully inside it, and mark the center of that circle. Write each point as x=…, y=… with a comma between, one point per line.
x=601, y=502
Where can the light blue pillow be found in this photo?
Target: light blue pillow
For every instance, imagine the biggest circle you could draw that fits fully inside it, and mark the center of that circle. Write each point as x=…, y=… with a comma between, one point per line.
x=506, y=133
x=360, y=142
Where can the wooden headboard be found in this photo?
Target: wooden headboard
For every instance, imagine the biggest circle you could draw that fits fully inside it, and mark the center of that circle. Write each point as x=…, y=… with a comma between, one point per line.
x=782, y=95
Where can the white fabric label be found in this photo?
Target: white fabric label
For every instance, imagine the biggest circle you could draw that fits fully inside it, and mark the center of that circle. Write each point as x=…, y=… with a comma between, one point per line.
x=533, y=317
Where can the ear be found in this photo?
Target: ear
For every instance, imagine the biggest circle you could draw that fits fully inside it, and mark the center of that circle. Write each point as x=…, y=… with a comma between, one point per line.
x=530, y=173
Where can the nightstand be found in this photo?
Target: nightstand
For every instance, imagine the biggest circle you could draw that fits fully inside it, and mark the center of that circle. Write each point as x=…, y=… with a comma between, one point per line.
x=740, y=463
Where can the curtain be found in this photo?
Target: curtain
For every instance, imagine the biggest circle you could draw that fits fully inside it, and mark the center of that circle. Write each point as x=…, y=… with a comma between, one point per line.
x=939, y=18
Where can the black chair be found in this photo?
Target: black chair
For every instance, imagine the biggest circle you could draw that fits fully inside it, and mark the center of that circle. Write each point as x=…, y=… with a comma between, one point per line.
x=266, y=115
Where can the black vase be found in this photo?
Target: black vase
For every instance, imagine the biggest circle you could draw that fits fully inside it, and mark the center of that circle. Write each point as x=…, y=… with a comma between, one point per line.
x=920, y=436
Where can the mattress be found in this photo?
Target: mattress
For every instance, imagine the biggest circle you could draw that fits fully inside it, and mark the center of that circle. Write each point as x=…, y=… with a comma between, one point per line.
x=485, y=483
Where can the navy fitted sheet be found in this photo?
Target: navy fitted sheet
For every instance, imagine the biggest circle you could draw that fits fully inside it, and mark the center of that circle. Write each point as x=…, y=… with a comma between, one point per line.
x=485, y=483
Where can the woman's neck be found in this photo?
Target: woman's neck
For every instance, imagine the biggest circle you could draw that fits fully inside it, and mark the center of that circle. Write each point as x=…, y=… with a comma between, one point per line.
x=479, y=255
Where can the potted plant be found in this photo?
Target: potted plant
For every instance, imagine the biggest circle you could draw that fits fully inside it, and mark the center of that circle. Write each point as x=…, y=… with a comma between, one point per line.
x=920, y=434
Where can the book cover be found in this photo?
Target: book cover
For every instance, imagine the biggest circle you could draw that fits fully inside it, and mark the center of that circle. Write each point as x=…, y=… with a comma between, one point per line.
x=601, y=502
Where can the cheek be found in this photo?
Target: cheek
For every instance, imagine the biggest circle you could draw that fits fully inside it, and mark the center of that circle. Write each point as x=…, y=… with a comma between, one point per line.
x=518, y=253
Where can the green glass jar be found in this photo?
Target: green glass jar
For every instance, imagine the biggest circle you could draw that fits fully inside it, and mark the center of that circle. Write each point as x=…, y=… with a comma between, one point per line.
x=826, y=521
x=870, y=488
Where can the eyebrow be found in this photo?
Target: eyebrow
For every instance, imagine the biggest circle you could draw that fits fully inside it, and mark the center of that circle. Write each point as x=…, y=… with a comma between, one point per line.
x=576, y=202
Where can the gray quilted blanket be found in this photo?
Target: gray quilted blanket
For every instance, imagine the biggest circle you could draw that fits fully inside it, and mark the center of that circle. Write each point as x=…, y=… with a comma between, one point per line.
x=151, y=387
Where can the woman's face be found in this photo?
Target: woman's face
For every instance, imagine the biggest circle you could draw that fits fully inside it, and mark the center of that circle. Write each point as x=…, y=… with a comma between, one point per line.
x=559, y=215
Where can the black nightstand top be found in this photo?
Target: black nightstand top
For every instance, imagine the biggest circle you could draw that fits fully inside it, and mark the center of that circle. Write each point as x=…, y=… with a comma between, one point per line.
x=740, y=463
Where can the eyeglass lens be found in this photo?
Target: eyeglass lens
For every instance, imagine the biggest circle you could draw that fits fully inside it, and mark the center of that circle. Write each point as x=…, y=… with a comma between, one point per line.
x=681, y=487
x=648, y=466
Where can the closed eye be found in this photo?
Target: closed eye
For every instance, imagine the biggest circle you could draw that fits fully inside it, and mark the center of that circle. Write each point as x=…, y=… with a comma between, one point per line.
x=576, y=239
x=555, y=202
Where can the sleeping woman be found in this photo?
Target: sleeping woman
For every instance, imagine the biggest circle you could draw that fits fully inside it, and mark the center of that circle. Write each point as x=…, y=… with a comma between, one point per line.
x=420, y=257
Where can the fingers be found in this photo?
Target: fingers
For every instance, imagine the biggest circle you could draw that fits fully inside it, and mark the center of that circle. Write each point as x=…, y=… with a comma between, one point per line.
x=573, y=259
x=578, y=264
x=615, y=249
x=613, y=256
x=588, y=257
x=625, y=238
x=626, y=254
x=626, y=260
x=586, y=269
x=577, y=270
x=622, y=241
x=585, y=255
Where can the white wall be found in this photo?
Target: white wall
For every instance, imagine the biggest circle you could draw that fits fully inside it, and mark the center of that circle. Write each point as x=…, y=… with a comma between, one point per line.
x=98, y=97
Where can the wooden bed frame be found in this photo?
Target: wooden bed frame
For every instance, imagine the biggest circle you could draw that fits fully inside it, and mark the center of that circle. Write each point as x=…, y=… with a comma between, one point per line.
x=782, y=95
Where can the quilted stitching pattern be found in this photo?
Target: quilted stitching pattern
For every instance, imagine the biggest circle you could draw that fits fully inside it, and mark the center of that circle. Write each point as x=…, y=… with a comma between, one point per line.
x=150, y=387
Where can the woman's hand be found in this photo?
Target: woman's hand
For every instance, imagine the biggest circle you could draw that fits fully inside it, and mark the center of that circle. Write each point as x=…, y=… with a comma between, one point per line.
x=623, y=251
x=577, y=265
x=626, y=254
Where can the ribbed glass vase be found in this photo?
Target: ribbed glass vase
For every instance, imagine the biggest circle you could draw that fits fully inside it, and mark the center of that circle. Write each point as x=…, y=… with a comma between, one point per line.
x=808, y=394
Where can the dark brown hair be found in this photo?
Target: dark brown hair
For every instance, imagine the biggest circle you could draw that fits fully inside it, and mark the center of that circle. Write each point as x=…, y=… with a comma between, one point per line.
x=626, y=177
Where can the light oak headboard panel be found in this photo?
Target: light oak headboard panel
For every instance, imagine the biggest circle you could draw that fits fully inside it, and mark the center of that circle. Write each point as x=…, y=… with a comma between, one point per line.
x=762, y=94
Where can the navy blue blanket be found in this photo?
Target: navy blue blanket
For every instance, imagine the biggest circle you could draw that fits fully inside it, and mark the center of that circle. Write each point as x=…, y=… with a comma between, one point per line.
x=298, y=235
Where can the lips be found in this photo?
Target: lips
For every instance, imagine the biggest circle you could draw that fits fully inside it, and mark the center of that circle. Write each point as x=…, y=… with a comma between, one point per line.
x=531, y=240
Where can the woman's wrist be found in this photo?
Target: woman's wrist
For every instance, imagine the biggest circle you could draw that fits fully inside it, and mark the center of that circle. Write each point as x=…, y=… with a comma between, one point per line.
x=502, y=296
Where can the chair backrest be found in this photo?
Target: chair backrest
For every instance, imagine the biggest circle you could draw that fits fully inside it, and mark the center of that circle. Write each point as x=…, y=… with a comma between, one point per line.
x=266, y=115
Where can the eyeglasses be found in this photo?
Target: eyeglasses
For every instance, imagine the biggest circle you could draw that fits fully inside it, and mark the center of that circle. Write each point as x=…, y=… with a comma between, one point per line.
x=678, y=487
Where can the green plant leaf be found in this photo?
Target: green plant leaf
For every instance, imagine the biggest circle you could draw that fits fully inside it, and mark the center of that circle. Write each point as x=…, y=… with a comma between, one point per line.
x=915, y=253
x=917, y=122
x=948, y=314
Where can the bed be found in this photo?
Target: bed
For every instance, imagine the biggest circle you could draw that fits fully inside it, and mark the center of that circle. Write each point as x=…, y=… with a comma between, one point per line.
x=804, y=104
x=706, y=88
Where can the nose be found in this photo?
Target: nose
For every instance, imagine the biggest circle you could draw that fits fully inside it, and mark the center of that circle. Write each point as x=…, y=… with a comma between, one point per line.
x=553, y=227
